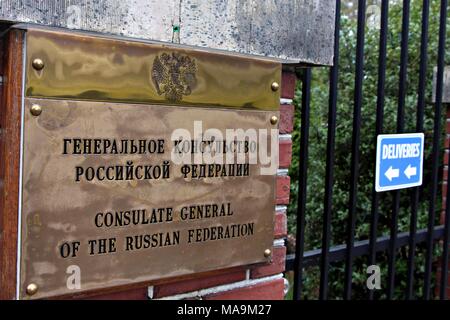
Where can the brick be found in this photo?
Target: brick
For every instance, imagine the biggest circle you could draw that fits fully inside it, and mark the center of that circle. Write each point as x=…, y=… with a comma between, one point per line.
x=445, y=173
x=2, y=56
x=270, y=290
x=280, y=225
x=288, y=80
x=133, y=294
x=283, y=189
x=448, y=112
x=446, y=157
x=274, y=267
x=287, y=112
x=437, y=292
x=444, y=189
x=170, y=289
x=438, y=263
x=447, y=139
x=439, y=271
x=285, y=155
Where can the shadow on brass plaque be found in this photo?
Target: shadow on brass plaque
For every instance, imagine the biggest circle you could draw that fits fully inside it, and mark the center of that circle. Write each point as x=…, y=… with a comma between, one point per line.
x=96, y=211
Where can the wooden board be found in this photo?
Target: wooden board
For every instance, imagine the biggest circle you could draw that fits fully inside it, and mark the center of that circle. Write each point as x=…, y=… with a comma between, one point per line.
x=10, y=124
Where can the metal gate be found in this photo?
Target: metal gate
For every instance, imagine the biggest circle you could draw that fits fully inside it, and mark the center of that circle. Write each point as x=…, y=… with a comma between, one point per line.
x=435, y=234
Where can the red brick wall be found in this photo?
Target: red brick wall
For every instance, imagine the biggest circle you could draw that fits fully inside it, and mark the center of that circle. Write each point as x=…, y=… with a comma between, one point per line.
x=444, y=197
x=249, y=282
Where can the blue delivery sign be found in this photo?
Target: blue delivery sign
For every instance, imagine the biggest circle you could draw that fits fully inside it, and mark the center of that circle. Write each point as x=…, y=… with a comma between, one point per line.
x=399, y=161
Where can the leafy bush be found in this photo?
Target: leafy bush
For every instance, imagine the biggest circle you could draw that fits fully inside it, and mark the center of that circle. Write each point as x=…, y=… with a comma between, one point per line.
x=318, y=139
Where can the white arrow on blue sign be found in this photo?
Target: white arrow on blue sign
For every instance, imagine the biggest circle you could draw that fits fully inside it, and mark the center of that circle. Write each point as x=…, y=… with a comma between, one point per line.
x=399, y=161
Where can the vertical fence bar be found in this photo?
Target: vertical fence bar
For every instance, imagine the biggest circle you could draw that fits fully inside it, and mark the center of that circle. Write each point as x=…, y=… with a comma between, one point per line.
x=439, y=87
x=419, y=128
x=435, y=153
x=303, y=169
x=355, y=148
x=400, y=129
x=328, y=199
x=378, y=126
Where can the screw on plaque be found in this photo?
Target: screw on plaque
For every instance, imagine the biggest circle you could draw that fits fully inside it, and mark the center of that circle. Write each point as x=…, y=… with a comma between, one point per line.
x=275, y=86
x=36, y=110
x=38, y=64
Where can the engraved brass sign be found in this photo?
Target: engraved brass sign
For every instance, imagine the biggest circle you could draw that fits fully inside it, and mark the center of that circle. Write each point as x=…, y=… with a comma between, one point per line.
x=142, y=161
x=104, y=201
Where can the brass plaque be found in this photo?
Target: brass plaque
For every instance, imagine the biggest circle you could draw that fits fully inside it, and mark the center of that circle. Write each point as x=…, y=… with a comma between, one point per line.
x=100, y=208
x=86, y=67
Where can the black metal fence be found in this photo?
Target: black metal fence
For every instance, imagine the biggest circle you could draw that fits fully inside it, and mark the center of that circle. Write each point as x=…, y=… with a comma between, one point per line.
x=428, y=237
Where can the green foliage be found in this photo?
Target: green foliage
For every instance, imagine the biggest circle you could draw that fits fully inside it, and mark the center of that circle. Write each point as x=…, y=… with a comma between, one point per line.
x=318, y=139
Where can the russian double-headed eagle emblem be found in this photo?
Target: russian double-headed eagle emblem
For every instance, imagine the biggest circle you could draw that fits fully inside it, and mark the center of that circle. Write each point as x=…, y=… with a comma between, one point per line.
x=174, y=75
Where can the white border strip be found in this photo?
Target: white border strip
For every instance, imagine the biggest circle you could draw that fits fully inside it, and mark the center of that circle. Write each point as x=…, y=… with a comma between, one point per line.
x=284, y=137
x=19, y=213
x=278, y=242
x=285, y=101
x=222, y=288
